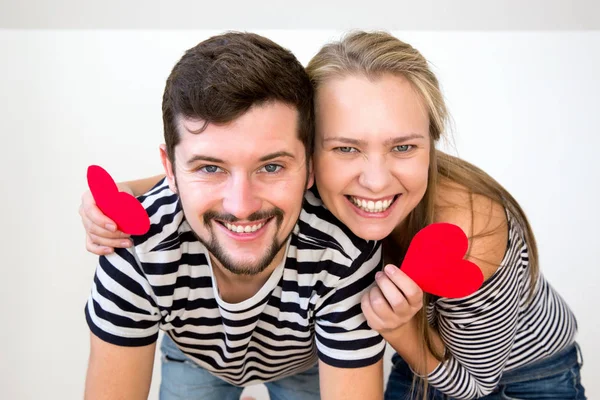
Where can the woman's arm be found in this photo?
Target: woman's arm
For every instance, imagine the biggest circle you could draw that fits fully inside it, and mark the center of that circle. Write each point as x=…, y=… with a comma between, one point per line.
x=390, y=309
x=477, y=331
x=140, y=186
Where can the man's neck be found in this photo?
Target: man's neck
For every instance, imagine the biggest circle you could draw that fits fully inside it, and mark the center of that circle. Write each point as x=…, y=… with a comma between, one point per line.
x=235, y=288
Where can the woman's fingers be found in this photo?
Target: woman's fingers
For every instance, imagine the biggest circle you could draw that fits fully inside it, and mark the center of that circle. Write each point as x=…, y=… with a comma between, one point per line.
x=101, y=231
x=96, y=249
x=411, y=292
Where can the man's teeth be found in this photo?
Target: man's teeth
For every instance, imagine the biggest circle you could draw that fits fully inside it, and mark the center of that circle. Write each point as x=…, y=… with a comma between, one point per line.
x=372, y=206
x=244, y=229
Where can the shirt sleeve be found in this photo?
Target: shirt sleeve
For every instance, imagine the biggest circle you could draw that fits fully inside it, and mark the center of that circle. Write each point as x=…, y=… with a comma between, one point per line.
x=479, y=332
x=122, y=307
x=343, y=337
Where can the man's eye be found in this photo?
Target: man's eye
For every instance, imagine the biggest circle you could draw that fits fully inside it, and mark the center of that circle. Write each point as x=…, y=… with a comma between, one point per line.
x=403, y=148
x=345, y=149
x=210, y=169
x=271, y=168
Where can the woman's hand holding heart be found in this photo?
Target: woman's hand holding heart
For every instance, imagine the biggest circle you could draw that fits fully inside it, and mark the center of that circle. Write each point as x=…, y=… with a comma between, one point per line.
x=392, y=302
x=434, y=262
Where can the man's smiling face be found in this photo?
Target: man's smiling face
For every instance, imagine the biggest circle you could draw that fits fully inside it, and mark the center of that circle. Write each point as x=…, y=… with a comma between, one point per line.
x=241, y=184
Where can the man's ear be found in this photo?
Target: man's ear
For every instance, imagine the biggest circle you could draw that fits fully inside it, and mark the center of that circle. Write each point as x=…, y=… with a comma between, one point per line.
x=168, y=166
x=311, y=175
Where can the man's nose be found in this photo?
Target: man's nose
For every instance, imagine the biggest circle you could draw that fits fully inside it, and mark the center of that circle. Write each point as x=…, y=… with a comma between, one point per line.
x=240, y=197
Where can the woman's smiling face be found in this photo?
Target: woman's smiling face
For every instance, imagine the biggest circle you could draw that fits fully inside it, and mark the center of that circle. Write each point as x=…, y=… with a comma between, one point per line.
x=372, y=151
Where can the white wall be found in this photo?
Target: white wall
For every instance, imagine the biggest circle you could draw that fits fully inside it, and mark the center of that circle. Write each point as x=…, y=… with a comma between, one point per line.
x=525, y=107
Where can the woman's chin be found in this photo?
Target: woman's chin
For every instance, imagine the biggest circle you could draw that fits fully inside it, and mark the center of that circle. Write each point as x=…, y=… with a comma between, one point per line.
x=371, y=232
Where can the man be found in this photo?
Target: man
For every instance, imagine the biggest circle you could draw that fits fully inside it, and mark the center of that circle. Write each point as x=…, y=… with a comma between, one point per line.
x=249, y=283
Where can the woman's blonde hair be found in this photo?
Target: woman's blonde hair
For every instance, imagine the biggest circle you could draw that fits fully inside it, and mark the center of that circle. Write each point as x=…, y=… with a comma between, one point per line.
x=373, y=54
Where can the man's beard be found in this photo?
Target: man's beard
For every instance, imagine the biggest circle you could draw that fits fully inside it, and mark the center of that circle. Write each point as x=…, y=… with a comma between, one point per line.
x=220, y=253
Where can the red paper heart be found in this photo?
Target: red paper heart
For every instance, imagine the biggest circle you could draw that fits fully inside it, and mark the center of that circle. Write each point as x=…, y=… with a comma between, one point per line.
x=124, y=209
x=434, y=260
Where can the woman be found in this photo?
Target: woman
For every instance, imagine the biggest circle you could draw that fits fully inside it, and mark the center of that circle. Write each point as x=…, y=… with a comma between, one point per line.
x=379, y=114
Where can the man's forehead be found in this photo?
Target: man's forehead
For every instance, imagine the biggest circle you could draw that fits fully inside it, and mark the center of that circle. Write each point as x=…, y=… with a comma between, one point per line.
x=199, y=142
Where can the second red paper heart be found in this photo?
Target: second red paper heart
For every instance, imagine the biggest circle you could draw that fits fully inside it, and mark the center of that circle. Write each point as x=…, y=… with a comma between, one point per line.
x=434, y=260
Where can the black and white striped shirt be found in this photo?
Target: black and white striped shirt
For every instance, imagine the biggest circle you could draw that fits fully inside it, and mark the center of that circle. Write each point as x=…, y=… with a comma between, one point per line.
x=309, y=307
x=496, y=329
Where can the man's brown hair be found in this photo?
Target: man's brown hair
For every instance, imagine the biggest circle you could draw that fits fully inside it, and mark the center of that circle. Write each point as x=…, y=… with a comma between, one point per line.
x=222, y=77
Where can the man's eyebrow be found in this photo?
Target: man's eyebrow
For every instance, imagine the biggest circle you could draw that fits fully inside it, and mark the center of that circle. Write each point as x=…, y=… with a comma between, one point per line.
x=276, y=154
x=358, y=142
x=267, y=157
x=199, y=157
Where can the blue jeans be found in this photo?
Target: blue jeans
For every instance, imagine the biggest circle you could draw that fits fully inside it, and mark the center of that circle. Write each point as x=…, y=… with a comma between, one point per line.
x=183, y=379
x=555, y=377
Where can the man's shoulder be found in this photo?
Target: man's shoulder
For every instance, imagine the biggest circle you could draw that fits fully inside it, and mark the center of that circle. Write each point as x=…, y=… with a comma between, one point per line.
x=319, y=229
x=168, y=228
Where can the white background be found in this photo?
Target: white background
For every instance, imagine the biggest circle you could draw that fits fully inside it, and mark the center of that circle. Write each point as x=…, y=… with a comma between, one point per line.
x=525, y=108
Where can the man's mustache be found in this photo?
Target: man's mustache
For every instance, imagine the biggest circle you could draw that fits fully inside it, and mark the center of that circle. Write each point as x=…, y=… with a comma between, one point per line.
x=256, y=216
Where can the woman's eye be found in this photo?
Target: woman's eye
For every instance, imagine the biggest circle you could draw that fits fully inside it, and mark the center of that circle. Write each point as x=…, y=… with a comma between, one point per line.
x=271, y=168
x=345, y=149
x=403, y=148
x=210, y=169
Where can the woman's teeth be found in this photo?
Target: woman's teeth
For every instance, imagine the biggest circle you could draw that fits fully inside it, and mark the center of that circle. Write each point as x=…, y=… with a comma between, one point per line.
x=372, y=206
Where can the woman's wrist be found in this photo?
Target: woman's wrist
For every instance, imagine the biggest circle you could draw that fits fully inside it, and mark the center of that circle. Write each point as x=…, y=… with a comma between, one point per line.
x=409, y=345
